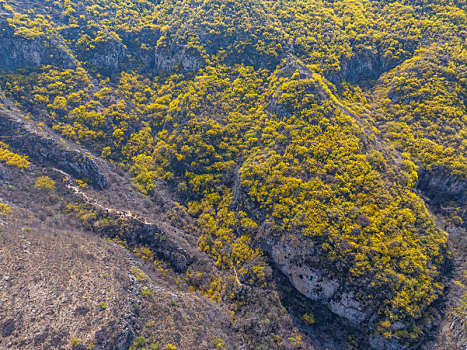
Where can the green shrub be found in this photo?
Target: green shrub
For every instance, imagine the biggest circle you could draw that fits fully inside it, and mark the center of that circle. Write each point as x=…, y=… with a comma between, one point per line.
x=45, y=183
x=74, y=342
x=5, y=209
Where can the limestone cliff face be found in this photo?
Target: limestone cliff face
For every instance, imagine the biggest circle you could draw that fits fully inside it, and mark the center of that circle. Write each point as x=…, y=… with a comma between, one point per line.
x=295, y=258
x=47, y=151
x=443, y=189
x=364, y=66
x=441, y=186
x=297, y=261
x=109, y=54
x=18, y=52
x=166, y=59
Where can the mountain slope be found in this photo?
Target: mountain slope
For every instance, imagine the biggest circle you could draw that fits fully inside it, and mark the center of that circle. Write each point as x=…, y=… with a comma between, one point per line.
x=320, y=140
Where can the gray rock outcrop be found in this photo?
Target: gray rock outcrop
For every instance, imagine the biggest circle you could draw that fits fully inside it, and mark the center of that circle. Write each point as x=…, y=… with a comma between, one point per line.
x=45, y=150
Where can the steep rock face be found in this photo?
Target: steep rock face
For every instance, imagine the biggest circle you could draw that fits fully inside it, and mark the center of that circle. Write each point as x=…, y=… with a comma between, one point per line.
x=135, y=231
x=299, y=263
x=251, y=57
x=187, y=60
x=139, y=55
x=46, y=151
x=364, y=66
x=442, y=187
x=18, y=52
x=109, y=54
x=447, y=193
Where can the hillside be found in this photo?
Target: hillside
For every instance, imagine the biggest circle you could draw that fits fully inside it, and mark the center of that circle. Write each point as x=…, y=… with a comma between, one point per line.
x=245, y=174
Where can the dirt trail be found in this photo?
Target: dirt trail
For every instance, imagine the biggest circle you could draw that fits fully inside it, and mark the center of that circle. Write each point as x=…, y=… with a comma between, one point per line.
x=95, y=203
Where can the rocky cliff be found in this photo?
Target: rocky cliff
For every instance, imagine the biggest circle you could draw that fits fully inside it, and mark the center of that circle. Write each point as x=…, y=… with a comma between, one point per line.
x=49, y=151
x=266, y=172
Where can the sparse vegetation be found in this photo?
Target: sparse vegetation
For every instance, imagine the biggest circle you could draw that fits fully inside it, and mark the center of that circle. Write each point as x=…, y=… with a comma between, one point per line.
x=144, y=344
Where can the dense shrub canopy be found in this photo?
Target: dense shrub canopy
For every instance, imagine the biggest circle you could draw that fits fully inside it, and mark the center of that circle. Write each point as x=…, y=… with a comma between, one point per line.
x=314, y=118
